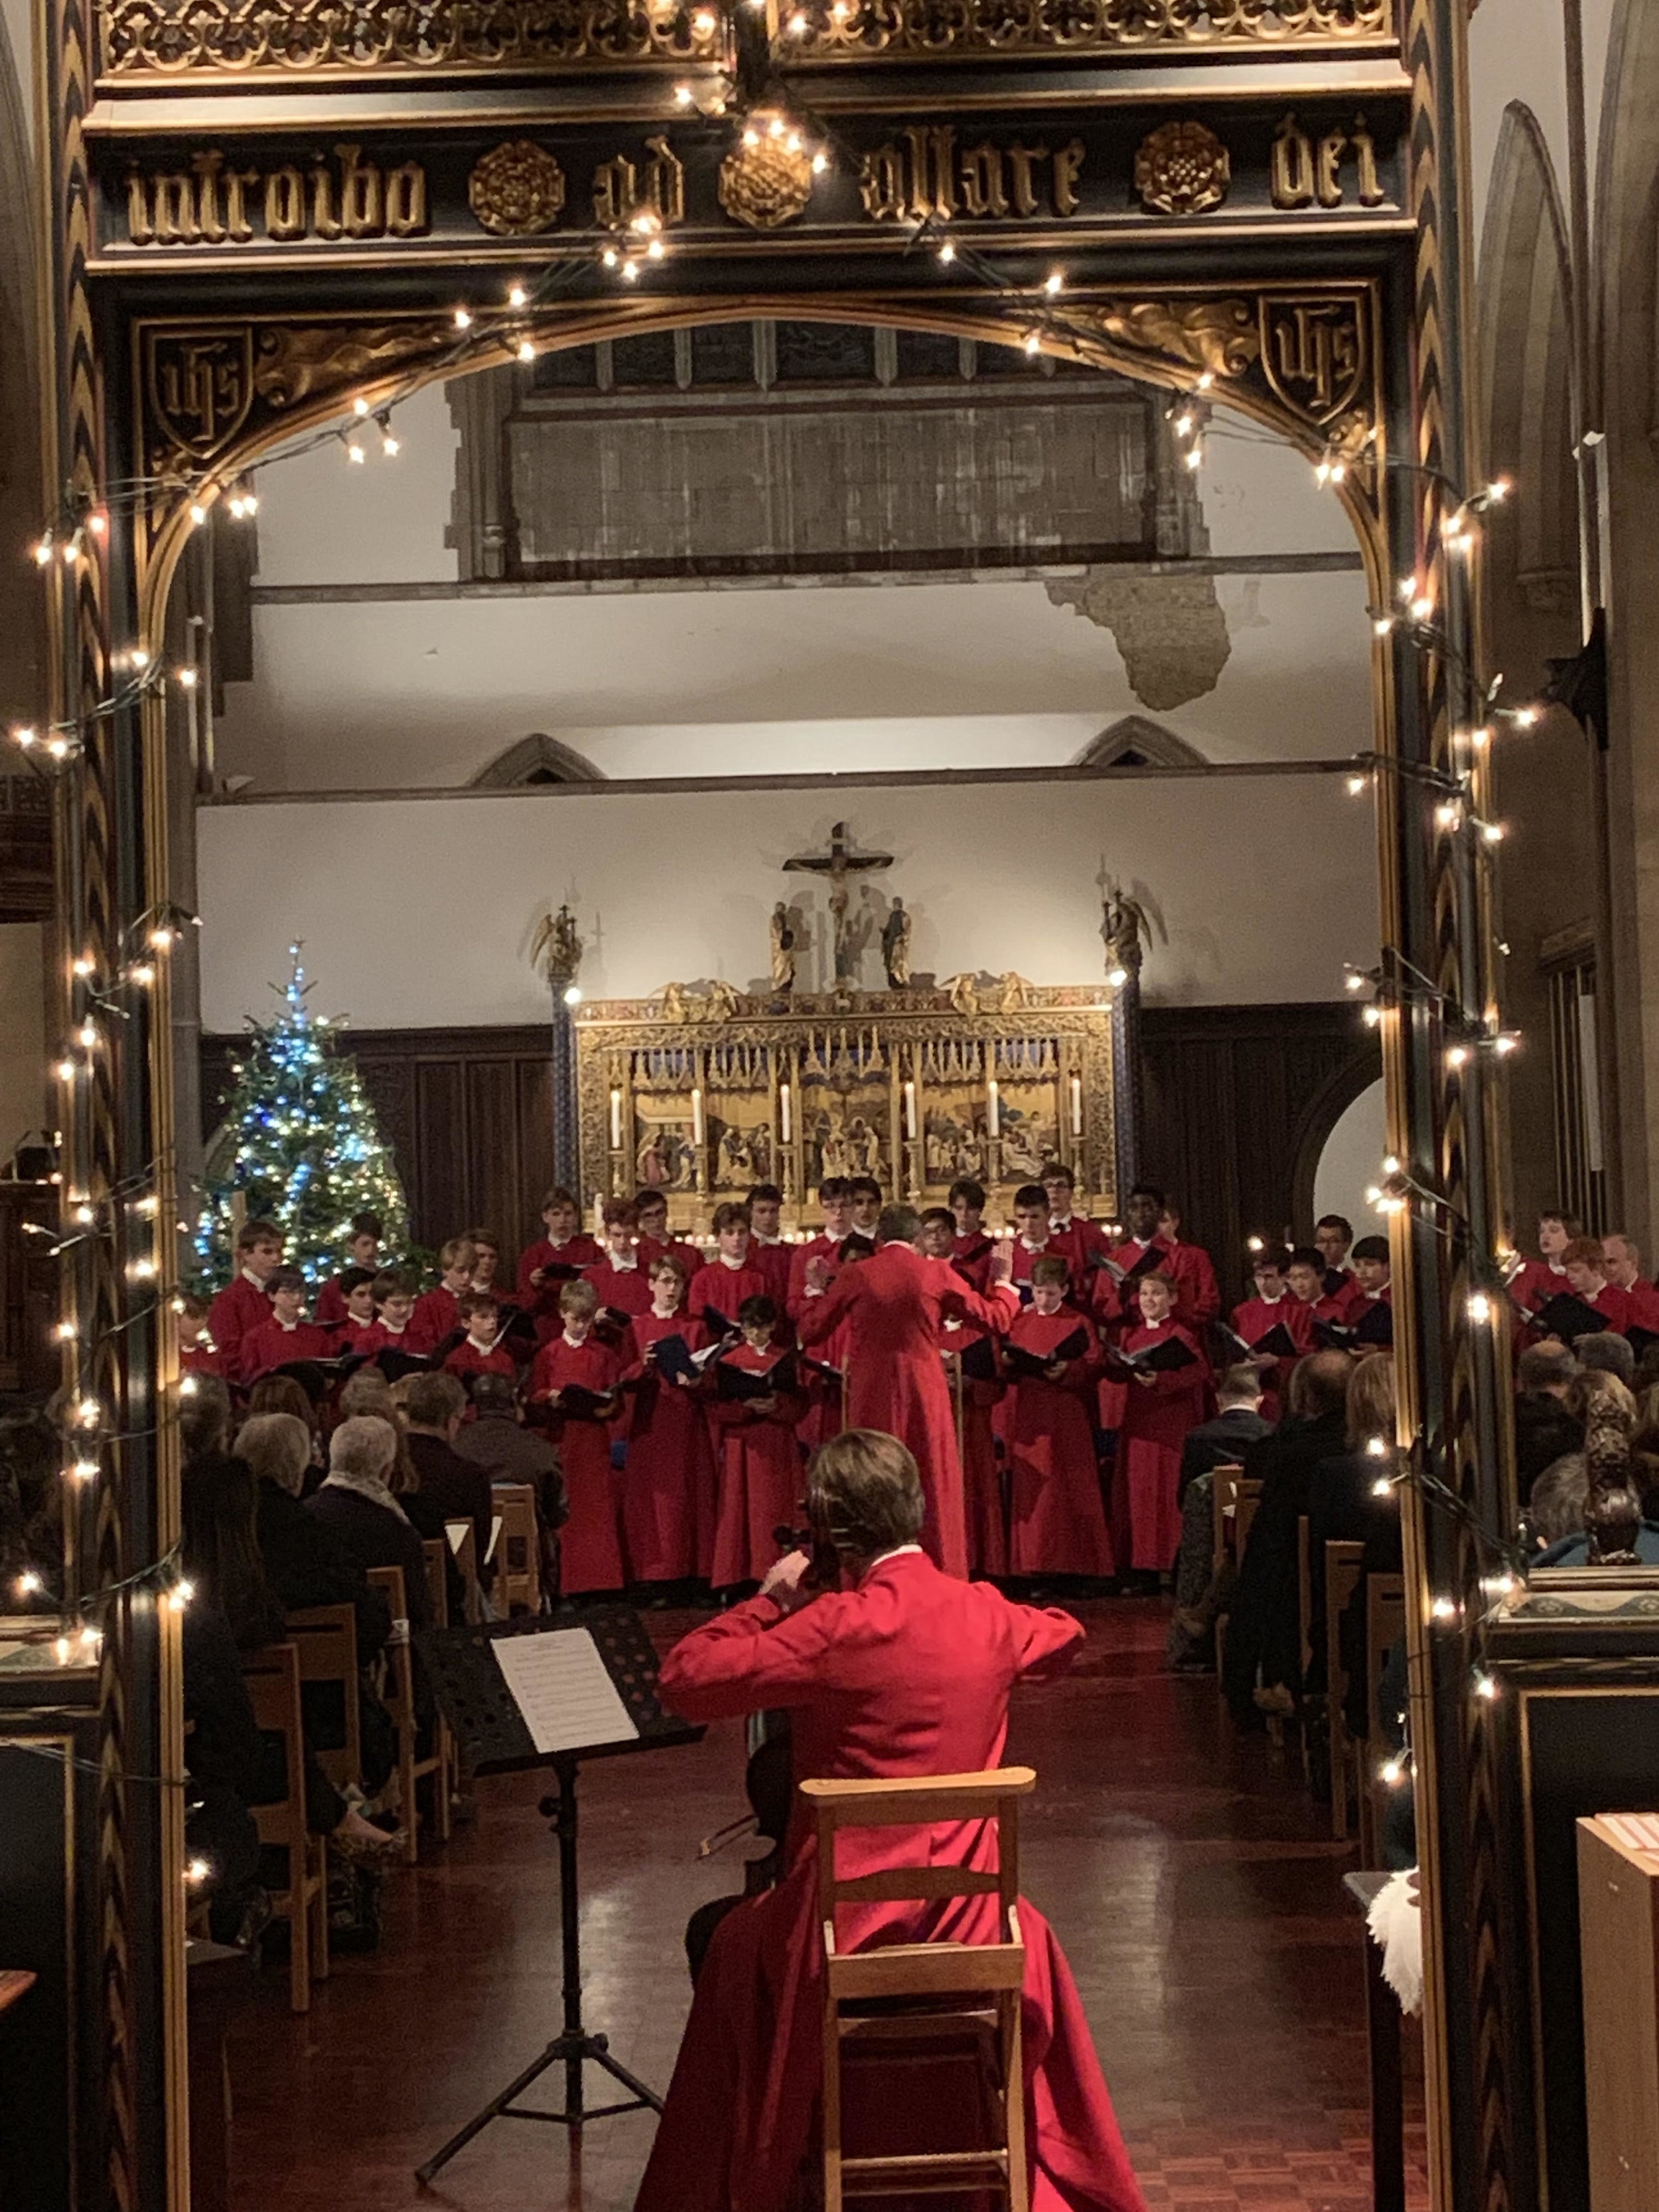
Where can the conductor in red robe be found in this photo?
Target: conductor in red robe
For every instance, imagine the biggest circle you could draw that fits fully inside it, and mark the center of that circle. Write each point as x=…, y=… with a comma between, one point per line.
x=902, y=1671
x=894, y=1306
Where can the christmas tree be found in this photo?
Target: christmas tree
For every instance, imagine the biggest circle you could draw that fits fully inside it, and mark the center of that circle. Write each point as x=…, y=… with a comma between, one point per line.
x=299, y=1145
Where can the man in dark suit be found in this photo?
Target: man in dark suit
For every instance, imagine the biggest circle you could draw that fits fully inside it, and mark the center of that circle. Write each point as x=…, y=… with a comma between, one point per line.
x=451, y=1488
x=1223, y=1442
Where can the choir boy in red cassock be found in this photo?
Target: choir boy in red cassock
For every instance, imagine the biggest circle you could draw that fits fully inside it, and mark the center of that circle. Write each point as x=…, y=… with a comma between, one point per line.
x=766, y=1249
x=1056, y=1522
x=1081, y=1240
x=732, y=1274
x=900, y=1672
x=394, y=1307
x=823, y=1417
x=438, y=1312
x=1304, y=1278
x=575, y=1362
x=285, y=1335
x=1333, y=1237
x=669, y=1494
x=970, y=1247
x=1623, y=1262
x=481, y=1350
x=1160, y=1405
x=1586, y=1269
x=1032, y=1239
x=758, y=1466
x=487, y=1263
x=198, y=1354
x=1198, y=1295
x=652, y=1209
x=622, y=1282
x=245, y=1304
x=363, y=1256
x=1545, y=1278
x=865, y=1193
x=1146, y=1246
x=1370, y=1315
x=356, y=1289
x=889, y=1310
x=558, y=1258
x=1271, y=1308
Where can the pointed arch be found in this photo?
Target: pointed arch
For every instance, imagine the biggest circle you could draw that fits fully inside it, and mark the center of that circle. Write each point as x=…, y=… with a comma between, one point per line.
x=1136, y=742
x=538, y=759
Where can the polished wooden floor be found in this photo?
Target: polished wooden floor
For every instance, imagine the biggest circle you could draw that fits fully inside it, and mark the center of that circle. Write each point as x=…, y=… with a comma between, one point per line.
x=1198, y=1902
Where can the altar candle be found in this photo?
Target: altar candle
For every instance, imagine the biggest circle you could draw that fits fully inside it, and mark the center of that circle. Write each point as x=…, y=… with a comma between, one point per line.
x=615, y=1121
x=910, y=1111
x=697, y=1116
x=993, y=1111
x=1077, y=1105
x=783, y=1111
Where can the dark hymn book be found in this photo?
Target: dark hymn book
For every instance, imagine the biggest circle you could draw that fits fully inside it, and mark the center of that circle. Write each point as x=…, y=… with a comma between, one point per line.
x=722, y=1327
x=742, y=1383
x=612, y=1325
x=672, y=1356
x=1640, y=1339
x=811, y=1366
x=1567, y=1316
x=1023, y=1363
x=394, y=1363
x=1278, y=1342
x=1151, y=1259
x=979, y=1360
x=1166, y=1358
x=1375, y=1327
x=578, y=1403
x=558, y=1271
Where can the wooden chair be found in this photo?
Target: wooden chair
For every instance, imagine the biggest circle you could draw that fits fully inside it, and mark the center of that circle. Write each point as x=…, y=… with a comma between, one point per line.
x=1385, y=1623
x=273, y=1684
x=1233, y=1501
x=399, y=1695
x=1343, y=1566
x=437, y=1589
x=518, y=1551
x=965, y=1995
x=325, y=1639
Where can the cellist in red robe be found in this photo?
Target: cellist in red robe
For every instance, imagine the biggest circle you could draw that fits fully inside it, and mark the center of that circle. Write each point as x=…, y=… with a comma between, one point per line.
x=891, y=1307
x=903, y=1671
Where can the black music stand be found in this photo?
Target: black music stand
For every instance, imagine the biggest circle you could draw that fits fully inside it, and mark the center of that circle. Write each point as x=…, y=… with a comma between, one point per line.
x=494, y=1739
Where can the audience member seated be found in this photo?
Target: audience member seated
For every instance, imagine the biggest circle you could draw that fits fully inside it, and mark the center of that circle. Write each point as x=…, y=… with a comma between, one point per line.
x=1607, y=1354
x=1545, y=1426
x=1344, y=1504
x=1263, y=1666
x=499, y=1442
x=447, y=1487
x=1556, y=1509
x=1201, y=1588
x=359, y=1501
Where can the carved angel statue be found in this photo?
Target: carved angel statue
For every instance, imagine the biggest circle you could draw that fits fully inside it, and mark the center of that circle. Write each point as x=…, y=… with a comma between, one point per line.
x=719, y=1003
x=963, y=991
x=1124, y=926
x=895, y=947
x=556, y=948
x=783, y=949
x=673, y=1001
x=1013, y=994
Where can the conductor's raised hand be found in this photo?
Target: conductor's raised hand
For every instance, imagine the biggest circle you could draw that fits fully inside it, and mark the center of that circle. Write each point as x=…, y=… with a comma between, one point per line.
x=817, y=1273
x=784, y=1579
x=1000, y=1275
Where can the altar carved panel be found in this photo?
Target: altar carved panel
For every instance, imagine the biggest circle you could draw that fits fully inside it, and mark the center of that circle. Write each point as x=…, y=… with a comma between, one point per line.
x=902, y=1085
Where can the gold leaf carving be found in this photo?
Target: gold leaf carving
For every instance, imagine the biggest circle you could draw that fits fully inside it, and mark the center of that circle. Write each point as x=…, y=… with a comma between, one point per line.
x=1182, y=168
x=765, y=185
x=516, y=189
x=304, y=362
x=1217, y=336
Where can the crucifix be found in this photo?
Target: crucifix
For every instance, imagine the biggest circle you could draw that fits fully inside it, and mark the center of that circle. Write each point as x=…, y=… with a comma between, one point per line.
x=838, y=864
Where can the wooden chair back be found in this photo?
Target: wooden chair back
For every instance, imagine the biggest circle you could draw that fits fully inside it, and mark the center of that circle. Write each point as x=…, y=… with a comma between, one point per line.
x=273, y=1685
x=1223, y=1505
x=438, y=1555
x=1304, y=1591
x=1248, y=1495
x=924, y=1990
x=517, y=1550
x=325, y=1639
x=1385, y=1623
x=398, y=1697
x=464, y=1550
x=1343, y=1564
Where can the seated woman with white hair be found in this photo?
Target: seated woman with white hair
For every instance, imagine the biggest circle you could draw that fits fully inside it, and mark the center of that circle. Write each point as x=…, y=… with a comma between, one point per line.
x=358, y=1502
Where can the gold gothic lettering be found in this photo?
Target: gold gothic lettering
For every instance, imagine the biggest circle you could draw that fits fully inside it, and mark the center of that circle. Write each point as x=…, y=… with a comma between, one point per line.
x=210, y=204
x=1303, y=174
x=922, y=177
x=623, y=190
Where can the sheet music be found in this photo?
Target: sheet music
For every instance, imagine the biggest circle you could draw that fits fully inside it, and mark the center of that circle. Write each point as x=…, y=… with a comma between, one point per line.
x=564, y=1689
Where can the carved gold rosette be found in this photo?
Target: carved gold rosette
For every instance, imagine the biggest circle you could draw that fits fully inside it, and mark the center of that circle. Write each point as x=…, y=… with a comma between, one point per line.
x=765, y=185
x=1182, y=168
x=516, y=189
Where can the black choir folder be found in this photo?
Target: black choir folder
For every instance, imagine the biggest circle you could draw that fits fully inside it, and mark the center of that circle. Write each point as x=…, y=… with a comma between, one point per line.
x=526, y=1692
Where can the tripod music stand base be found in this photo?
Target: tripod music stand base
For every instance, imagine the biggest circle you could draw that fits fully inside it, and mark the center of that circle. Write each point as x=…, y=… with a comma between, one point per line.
x=572, y=2051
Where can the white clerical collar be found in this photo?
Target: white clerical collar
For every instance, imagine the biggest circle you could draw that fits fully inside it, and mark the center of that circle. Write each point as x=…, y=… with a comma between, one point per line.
x=897, y=1551
x=1061, y=1222
x=662, y=1313
x=1279, y=1301
x=1164, y=1323
x=1377, y=1294
x=288, y=1327
x=1144, y=1242
x=575, y=1342
x=257, y=1281
x=394, y=1328
x=479, y=1345
x=623, y=1264
x=770, y=1243
x=726, y=1260
x=1028, y=1245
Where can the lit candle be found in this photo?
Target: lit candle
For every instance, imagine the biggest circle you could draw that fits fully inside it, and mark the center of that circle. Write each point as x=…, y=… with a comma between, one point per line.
x=1077, y=1105
x=697, y=1115
x=615, y=1121
x=783, y=1111
x=992, y=1114
x=910, y=1111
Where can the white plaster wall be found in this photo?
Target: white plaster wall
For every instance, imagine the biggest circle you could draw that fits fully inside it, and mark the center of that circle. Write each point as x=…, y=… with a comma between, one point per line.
x=1349, y=1165
x=326, y=519
x=1518, y=52
x=420, y=912
x=22, y=1026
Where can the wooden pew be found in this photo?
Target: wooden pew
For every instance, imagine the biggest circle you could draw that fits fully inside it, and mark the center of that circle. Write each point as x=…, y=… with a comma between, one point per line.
x=398, y=1694
x=273, y=1684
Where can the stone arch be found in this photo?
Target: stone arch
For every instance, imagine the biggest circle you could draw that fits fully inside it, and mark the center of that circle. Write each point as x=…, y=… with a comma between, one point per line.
x=537, y=759
x=1134, y=741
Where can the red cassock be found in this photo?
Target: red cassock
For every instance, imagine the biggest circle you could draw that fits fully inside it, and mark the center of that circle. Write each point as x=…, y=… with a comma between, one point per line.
x=909, y=1675
x=1536, y=1283
x=971, y=1257
x=1198, y=1295
x=981, y=1478
x=822, y=1419
x=1024, y=1257
x=627, y=1290
x=1258, y=1317
x=274, y=1344
x=541, y=1300
x=1121, y=1301
x=1342, y=1307
x=240, y=1306
x=353, y=1335
x=668, y=1485
x=437, y=1315
x=468, y=1359
x=892, y=1308
x=1056, y=1520
x=1614, y=1306
x=1642, y=1301
x=331, y=1302
x=378, y=1336
x=725, y=1288
x=758, y=1474
x=200, y=1359
x=1083, y=1243
x=773, y=1262
x=1146, y=1479
x=591, y=1540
